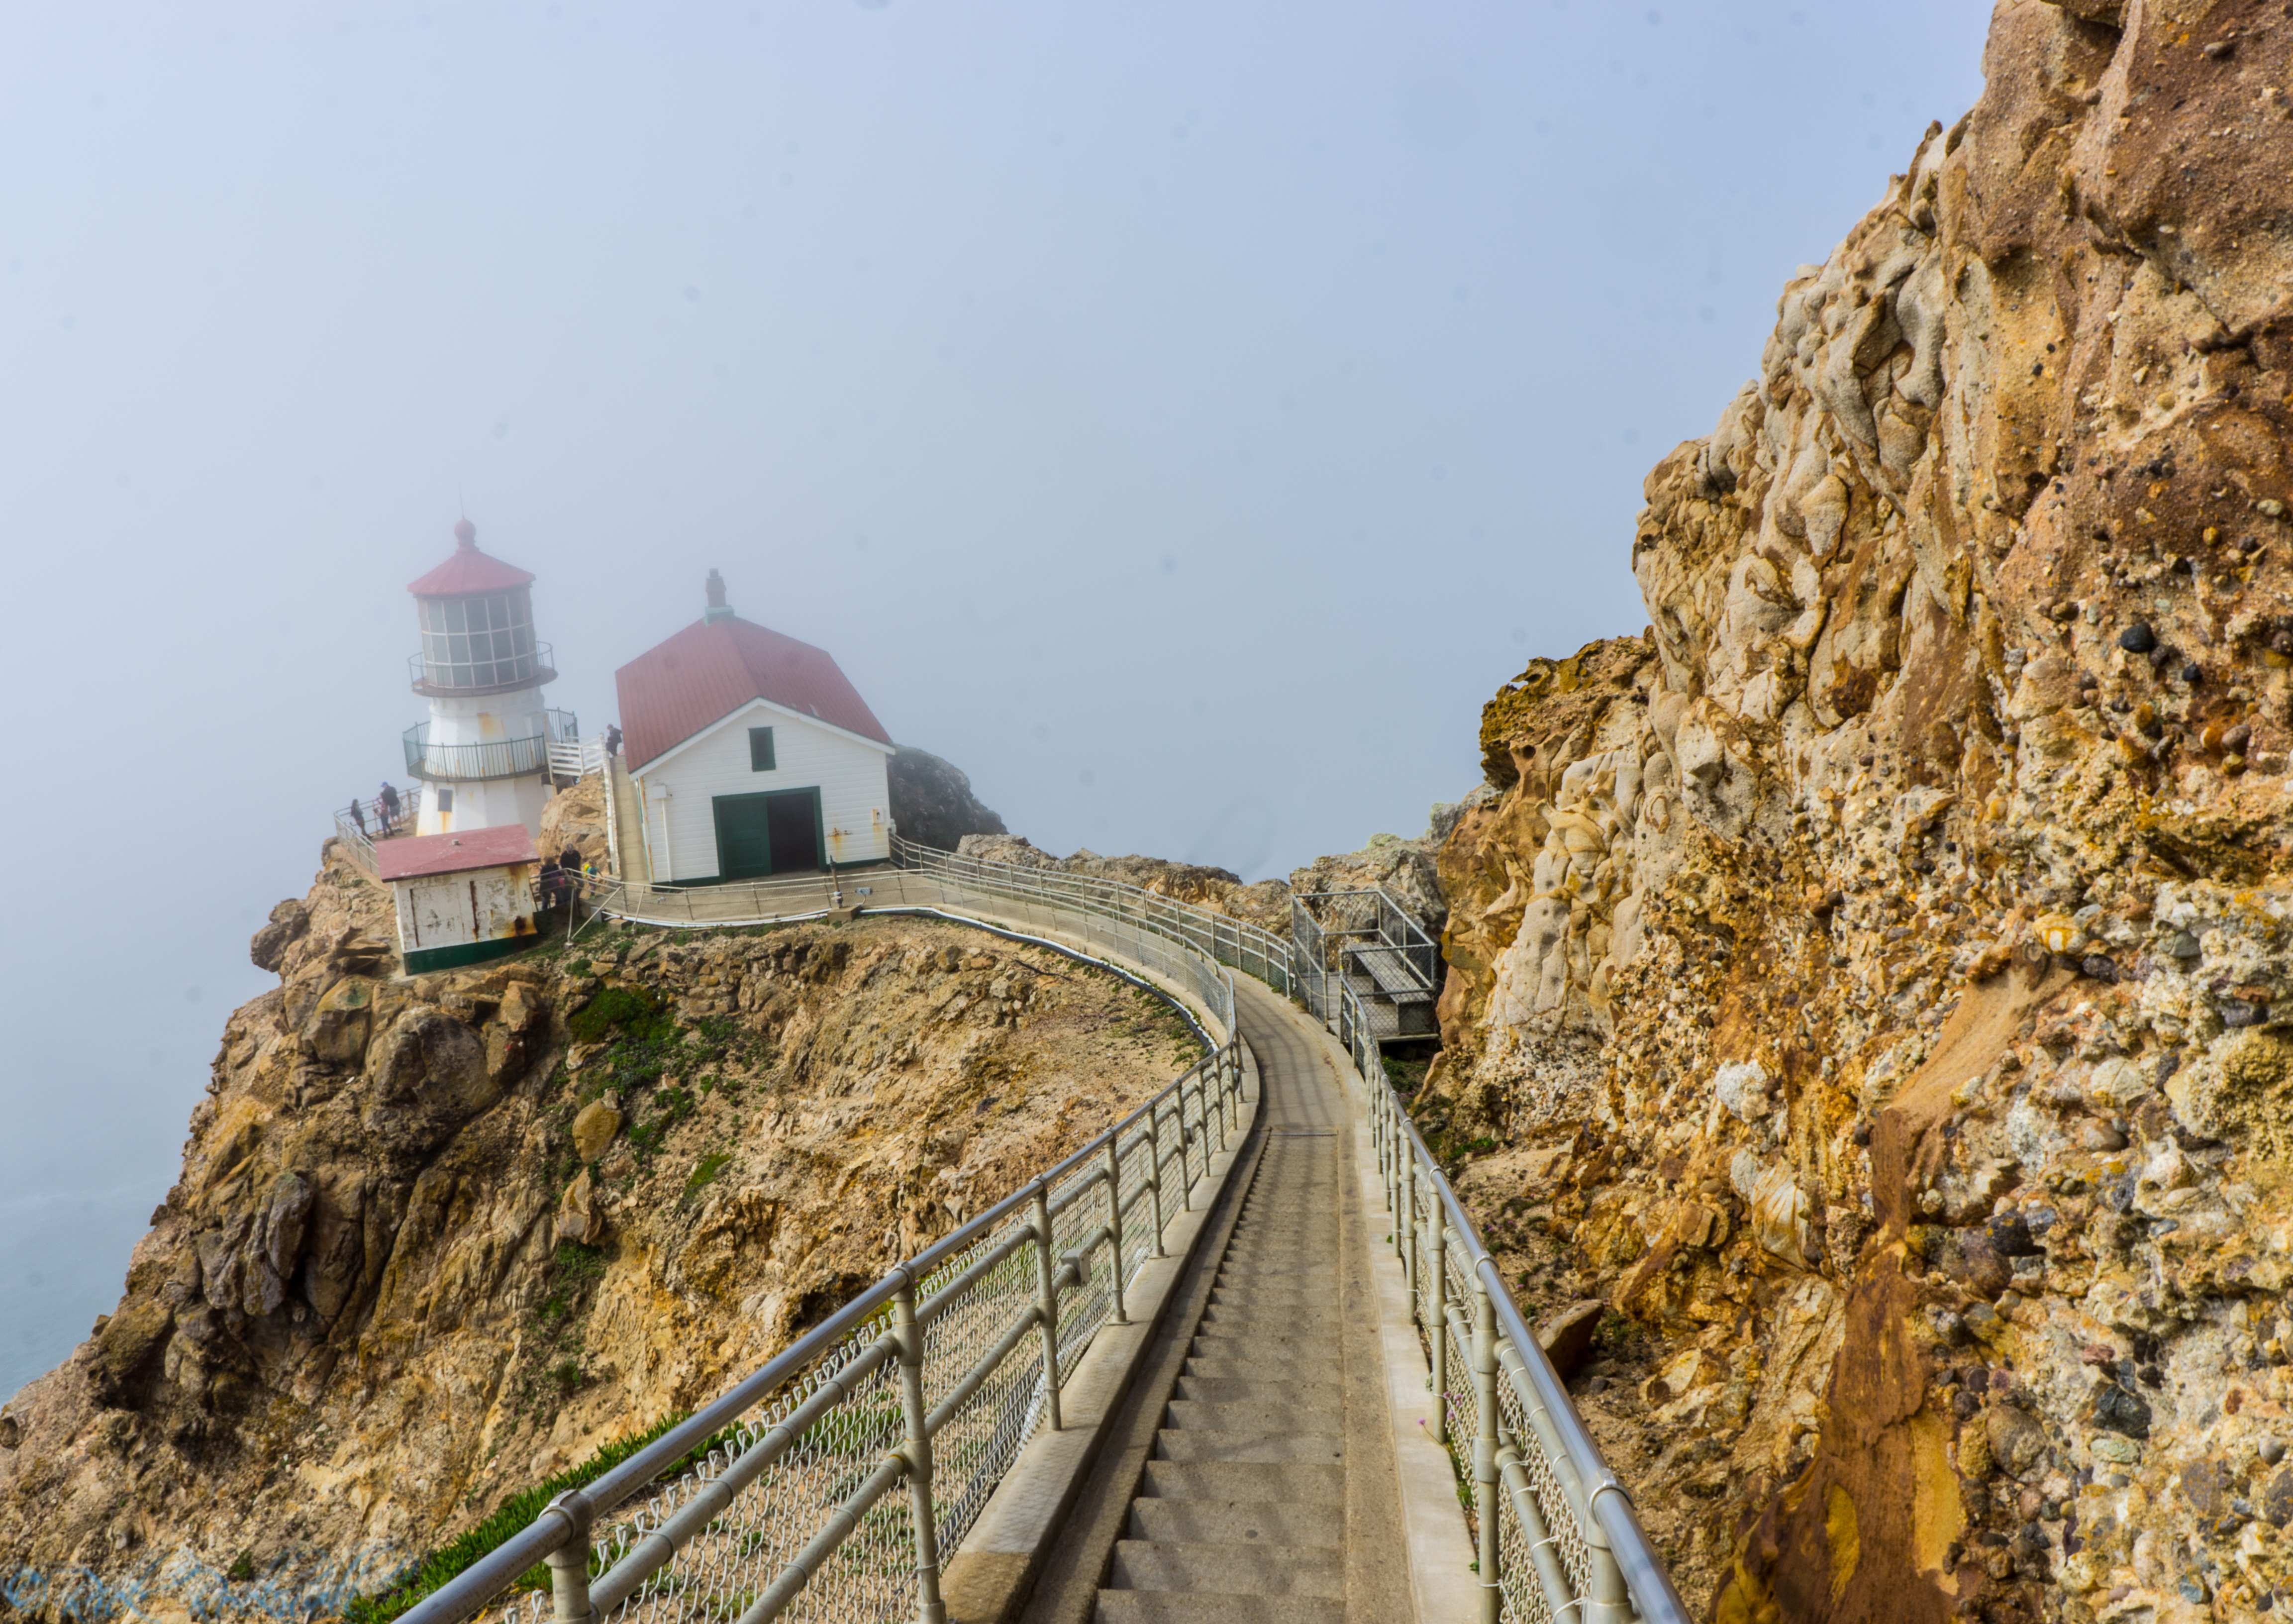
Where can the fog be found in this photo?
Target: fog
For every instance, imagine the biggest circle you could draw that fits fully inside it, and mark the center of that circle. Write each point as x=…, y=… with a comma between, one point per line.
x=1180, y=417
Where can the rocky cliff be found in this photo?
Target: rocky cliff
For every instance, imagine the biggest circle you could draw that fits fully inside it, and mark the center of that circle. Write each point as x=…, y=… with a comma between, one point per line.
x=932, y=802
x=439, y=1237
x=1875, y=978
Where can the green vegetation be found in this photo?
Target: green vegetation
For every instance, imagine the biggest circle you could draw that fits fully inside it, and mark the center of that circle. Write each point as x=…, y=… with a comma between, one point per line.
x=704, y=1173
x=635, y=1013
x=1407, y=1076
x=449, y=1560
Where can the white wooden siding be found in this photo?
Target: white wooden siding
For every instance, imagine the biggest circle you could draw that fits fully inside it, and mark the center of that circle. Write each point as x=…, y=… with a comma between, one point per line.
x=850, y=774
x=477, y=905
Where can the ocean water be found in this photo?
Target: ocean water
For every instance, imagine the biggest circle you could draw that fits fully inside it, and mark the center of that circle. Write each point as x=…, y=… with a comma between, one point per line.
x=63, y=1259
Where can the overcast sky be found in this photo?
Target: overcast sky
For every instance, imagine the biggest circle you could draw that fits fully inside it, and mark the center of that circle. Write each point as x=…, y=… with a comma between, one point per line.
x=1182, y=416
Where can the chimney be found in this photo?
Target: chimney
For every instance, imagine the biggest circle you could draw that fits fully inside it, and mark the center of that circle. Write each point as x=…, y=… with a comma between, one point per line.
x=717, y=609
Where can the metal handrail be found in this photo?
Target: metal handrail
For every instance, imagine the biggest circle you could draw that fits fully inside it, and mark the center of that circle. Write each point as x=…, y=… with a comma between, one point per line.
x=1233, y=942
x=1616, y=1574
x=1387, y=925
x=490, y=757
x=358, y=834
x=1053, y=1257
x=1625, y=1579
x=1558, y=1533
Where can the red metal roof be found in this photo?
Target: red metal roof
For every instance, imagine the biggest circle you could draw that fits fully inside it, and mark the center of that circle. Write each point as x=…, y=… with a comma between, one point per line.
x=412, y=857
x=712, y=667
x=468, y=570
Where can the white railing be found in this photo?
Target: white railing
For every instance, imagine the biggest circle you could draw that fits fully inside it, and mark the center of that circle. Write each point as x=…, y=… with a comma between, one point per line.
x=578, y=757
x=364, y=821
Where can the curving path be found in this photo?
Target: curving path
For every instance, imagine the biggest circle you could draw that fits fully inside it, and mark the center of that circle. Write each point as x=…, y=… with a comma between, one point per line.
x=1250, y=1475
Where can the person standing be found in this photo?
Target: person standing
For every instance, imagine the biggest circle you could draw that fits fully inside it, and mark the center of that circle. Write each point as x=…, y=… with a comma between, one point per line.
x=358, y=816
x=387, y=801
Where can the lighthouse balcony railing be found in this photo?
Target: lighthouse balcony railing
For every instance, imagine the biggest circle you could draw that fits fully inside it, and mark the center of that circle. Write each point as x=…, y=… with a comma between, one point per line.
x=440, y=763
x=359, y=825
x=495, y=670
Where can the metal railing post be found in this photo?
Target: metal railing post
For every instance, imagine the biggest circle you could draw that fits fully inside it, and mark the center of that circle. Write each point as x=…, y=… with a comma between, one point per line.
x=1404, y=1225
x=569, y=1563
x=1047, y=1304
x=1119, y=1314
x=1437, y=1323
x=1485, y=1449
x=1154, y=1172
x=930, y=1608
x=1185, y=1184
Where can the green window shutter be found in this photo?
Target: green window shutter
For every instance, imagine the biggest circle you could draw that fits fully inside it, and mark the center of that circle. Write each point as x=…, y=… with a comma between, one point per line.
x=761, y=749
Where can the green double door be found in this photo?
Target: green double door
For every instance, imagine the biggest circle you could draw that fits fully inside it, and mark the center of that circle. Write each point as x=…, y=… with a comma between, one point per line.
x=776, y=832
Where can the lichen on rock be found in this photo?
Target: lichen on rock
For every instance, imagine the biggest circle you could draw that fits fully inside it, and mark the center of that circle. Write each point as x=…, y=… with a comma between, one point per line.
x=1872, y=977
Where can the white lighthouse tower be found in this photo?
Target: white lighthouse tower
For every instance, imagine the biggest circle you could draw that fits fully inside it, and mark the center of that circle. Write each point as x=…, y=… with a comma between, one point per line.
x=484, y=752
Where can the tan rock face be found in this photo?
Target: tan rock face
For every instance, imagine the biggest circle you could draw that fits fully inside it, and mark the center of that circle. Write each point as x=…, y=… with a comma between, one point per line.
x=396, y=1282
x=1872, y=977
x=594, y=1127
x=575, y=817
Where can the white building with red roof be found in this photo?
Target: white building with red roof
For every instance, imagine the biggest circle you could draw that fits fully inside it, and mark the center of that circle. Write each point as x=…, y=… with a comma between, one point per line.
x=484, y=751
x=752, y=754
x=461, y=898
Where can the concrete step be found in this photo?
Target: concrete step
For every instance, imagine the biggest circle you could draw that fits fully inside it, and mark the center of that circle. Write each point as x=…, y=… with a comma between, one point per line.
x=1303, y=1308
x=1231, y=1481
x=1286, y=1291
x=1272, y=1348
x=1263, y=1417
x=1179, y=1607
x=1176, y=1443
x=1254, y=1390
x=1260, y=1369
x=1227, y=1570
x=1243, y=1522
x=1301, y=1254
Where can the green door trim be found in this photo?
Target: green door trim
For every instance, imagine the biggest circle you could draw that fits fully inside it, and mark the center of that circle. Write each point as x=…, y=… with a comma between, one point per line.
x=718, y=805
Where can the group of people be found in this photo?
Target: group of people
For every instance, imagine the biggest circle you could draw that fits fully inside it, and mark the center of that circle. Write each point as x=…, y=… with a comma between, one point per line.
x=385, y=809
x=562, y=877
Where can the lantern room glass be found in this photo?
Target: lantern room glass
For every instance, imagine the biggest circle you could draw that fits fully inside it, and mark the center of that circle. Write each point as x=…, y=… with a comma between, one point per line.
x=482, y=641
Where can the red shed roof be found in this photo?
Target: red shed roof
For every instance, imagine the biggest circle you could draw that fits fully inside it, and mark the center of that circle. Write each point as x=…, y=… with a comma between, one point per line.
x=468, y=570
x=412, y=857
x=712, y=667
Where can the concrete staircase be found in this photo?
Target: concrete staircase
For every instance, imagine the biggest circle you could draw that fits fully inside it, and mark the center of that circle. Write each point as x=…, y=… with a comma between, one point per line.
x=1241, y=1514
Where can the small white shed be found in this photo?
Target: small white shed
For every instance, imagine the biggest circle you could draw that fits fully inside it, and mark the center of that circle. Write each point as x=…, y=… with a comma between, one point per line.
x=461, y=897
x=752, y=755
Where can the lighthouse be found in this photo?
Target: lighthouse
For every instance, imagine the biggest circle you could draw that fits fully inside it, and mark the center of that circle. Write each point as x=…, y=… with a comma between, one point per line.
x=484, y=751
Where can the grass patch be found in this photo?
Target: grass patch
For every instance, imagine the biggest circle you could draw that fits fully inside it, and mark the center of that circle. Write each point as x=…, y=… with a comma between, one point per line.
x=705, y=1173
x=449, y=1561
x=631, y=1011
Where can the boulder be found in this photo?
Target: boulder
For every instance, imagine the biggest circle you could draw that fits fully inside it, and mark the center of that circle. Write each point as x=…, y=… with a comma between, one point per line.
x=288, y=920
x=577, y=1217
x=339, y=1026
x=594, y=1129
x=932, y=802
x=429, y=1077
x=125, y=1347
x=1565, y=1335
x=575, y=817
x=519, y=1027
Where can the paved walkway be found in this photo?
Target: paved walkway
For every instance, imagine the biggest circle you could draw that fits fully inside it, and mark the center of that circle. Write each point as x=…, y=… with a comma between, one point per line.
x=1250, y=1478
